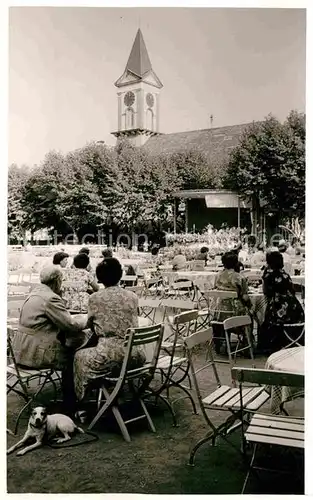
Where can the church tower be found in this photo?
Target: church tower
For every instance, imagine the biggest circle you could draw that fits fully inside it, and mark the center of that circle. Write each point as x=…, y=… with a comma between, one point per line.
x=138, y=96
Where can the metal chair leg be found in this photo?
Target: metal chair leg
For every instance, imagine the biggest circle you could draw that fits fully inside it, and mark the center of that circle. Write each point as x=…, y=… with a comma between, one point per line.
x=249, y=470
x=202, y=441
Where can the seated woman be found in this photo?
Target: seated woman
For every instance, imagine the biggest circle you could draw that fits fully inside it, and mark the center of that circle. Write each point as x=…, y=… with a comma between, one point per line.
x=230, y=279
x=78, y=284
x=258, y=259
x=203, y=255
x=110, y=313
x=60, y=259
x=179, y=262
x=45, y=327
x=283, y=307
x=86, y=251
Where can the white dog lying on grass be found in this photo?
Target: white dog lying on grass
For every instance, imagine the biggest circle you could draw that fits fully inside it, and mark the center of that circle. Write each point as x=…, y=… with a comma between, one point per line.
x=43, y=427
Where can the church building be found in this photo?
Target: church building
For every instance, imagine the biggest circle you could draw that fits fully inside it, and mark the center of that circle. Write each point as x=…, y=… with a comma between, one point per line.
x=138, y=93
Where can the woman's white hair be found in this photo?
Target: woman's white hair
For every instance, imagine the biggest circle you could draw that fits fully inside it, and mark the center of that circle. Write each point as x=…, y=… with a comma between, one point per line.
x=49, y=274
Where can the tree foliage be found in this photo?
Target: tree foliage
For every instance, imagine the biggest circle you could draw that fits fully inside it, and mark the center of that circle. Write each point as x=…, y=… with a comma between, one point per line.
x=98, y=187
x=269, y=165
x=17, y=178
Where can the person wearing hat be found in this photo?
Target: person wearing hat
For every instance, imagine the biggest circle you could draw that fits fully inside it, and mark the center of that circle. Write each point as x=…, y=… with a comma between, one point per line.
x=282, y=248
x=60, y=259
x=45, y=330
x=84, y=250
x=107, y=253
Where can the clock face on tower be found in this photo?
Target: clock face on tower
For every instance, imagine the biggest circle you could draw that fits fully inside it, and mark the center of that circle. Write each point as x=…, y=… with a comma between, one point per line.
x=129, y=98
x=150, y=100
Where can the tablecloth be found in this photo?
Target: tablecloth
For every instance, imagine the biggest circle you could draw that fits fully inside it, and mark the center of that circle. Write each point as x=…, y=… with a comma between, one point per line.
x=288, y=360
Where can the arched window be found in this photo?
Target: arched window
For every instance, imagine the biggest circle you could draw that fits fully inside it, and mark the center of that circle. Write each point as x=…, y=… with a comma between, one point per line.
x=130, y=118
x=149, y=119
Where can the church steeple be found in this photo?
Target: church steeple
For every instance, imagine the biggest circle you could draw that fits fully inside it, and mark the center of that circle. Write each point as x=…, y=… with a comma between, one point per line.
x=139, y=62
x=138, y=96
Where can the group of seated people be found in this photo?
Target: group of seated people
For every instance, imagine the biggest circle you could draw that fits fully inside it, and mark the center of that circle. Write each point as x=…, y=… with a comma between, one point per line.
x=282, y=305
x=86, y=346
x=81, y=346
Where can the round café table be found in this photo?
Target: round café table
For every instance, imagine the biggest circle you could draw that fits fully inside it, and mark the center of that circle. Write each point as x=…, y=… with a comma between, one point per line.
x=285, y=360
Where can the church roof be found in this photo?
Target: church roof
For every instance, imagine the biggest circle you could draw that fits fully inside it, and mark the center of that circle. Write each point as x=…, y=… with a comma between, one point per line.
x=216, y=143
x=139, y=62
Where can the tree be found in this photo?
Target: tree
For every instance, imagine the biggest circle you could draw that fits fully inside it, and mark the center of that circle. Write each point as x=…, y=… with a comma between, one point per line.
x=147, y=184
x=193, y=169
x=269, y=165
x=42, y=192
x=17, y=179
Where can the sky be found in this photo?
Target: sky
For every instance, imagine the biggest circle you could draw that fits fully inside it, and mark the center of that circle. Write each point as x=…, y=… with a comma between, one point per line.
x=237, y=64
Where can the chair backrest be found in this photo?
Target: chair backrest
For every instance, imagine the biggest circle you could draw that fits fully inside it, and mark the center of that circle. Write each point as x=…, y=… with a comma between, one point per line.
x=221, y=294
x=180, y=285
x=186, y=317
x=237, y=321
x=298, y=280
x=240, y=326
x=18, y=290
x=178, y=304
x=14, y=306
x=294, y=333
x=267, y=377
x=141, y=336
x=192, y=343
x=152, y=286
x=25, y=278
x=129, y=278
x=148, y=307
x=138, y=290
x=217, y=303
x=11, y=360
x=197, y=265
x=149, y=302
x=14, y=278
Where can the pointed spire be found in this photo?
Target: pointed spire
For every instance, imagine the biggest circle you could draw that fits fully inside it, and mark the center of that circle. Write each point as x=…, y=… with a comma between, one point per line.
x=139, y=62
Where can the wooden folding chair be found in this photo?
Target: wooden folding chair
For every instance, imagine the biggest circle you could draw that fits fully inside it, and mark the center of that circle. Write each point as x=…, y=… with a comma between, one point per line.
x=127, y=281
x=254, y=278
x=174, y=306
x=218, y=313
x=18, y=290
x=182, y=289
x=265, y=429
x=138, y=290
x=241, y=328
x=138, y=379
x=20, y=377
x=153, y=287
x=14, y=278
x=14, y=307
x=294, y=333
x=223, y=397
x=173, y=367
x=197, y=265
x=148, y=307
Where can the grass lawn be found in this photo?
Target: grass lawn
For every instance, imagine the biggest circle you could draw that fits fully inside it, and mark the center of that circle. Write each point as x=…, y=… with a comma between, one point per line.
x=150, y=464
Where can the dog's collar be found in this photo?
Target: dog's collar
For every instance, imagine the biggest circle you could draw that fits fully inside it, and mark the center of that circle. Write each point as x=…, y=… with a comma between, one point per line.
x=44, y=426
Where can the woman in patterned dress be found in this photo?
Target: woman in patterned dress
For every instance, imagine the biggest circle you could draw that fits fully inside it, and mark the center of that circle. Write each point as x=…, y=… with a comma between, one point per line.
x=111, y=312
x=78, y=284
x=282, y=307
x=229, y=279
